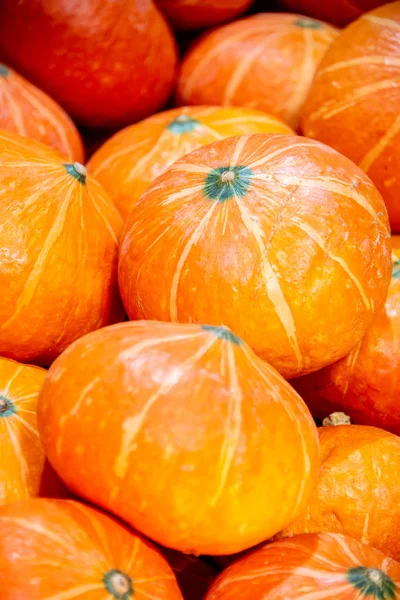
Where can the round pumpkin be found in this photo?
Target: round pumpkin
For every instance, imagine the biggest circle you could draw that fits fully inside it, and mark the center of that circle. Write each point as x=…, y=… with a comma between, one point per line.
x=193, y=574
x=58, y=252
x=358, y=491
x=63, y=549
x=190, y=415
x=195, y=14
x=24, y=472
x=366, y=383
x=26, y=110
x=265, y=61
x=270, y=235
x=353, y=103
x=339, y=12
x=107, y=63
x=313, y=567
x=128, y=162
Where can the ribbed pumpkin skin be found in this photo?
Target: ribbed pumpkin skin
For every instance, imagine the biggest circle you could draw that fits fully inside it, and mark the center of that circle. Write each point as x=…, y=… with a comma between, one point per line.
x=313, y=567
x=58, y=267
x=195, y=14
x=130, y=161
x=65, y=549
x=298, y=236
x=191, y=418
x=339, y=12
x=353, y=103
x=365, y=385
x=26, y=110
x=266, y=61
x=107, y=63
x=357, y=492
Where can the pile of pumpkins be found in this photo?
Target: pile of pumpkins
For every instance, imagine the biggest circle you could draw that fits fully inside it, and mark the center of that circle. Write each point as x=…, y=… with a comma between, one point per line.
x=200, y=307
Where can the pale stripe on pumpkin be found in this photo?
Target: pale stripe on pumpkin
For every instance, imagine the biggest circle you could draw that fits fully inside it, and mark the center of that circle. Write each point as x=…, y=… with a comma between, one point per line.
x=375, y=152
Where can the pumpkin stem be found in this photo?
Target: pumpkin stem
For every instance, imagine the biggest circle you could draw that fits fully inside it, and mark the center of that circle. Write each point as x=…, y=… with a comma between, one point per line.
x=3, y=404
x=119, y=584
x=336, y=418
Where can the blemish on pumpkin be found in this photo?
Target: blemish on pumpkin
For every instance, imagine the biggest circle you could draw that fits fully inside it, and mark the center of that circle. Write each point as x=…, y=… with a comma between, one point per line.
x=223, y=183
x=7, y=407
x=118, y=584
x=182, y=124
x=78, y=171
x=223, y=333
x=4, y=71
x=372, y=583
x=308, y=23
x=396, y=269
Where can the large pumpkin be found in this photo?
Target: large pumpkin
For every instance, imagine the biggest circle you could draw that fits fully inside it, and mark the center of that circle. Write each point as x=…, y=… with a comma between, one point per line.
x=24, y=472
x=266, y=61
x=358, y=491
x=107, y=63
x=339, y=12
x=65, y=550
x=215, y=448
x=270, y=235
x=353, y=104
x=311, y=567
x=26, y=110
x=127, y=163
x=365, y=384
x=194, y=14
x=58, y=252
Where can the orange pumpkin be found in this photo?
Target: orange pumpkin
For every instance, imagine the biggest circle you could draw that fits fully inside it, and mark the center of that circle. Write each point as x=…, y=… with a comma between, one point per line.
x=353, y=104
x=313, y=567
x=127, y=163
x=266, y=61
x=195, y=14
x=193, y=574
x=24, y=473
x=107, y=63
x=365, y=384
x=63, y=549
x=58, y=257
x=358, y=491
x=270, y=235
x=339, y=12
x=26, y=110
x=191, y=419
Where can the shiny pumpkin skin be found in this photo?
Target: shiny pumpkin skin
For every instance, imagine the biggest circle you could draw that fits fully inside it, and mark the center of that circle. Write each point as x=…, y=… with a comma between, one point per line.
x=357, y=492
x=270, y=235
x=58, y=267
x=91, y=55
x=132, y=159
x=193, y=574
x=353, y=103
x=195, y=14
x=313, y=567
x=65, y=549
x=365, y=384
x=265, y=61
x=339, y=12
x=26, y=110
x=190, y=415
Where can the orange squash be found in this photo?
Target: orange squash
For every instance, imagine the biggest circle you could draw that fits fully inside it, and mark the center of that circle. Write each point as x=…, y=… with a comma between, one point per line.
x=311, y=567
x=193, y=574
x=130, y=161
x=107, y=63
x=58, y=257
x=339, y=12
x=270, y=235
x=190, y=415
x=26, y=110
x=195, y=14
x=358, y=491
x=63, y=549
x=265, y=61
x=353, y=104
x=365, y=384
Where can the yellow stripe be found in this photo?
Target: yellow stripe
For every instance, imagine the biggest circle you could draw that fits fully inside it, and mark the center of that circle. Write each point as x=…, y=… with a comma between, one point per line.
x=375, y=152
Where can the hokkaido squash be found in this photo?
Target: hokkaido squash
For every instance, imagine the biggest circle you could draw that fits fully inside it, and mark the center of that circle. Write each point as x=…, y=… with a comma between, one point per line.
x=339, y=12
x=366, y=384
x=24, y=472
x=357, y=492
x=107, y=63
x=265, y=61
x=194, y=14
x=353, y=103
x=311, y=567
x=26, y=110
x=270, y=235
x=193, y=574
x=63, y=549
x=128, y=162
x=58, y=252
x=191, y=419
